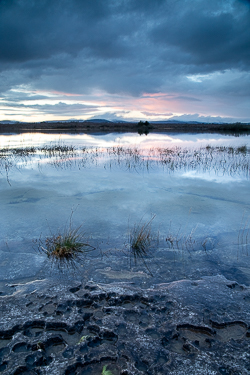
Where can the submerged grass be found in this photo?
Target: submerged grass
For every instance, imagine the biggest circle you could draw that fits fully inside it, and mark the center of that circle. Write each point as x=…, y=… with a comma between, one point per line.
x=188, y=241
x=66, y=249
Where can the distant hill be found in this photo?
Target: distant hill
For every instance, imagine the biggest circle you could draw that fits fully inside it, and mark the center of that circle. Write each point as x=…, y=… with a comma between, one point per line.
x=104, y=121
x=97, y=120
x=9, y=122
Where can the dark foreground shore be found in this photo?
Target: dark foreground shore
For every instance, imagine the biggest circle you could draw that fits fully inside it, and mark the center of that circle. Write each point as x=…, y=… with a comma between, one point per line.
x=110, y=127
x=184, y=327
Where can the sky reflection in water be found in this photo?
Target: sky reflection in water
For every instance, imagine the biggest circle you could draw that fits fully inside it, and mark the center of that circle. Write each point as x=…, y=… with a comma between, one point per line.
x=205, y=212
x=124, y=139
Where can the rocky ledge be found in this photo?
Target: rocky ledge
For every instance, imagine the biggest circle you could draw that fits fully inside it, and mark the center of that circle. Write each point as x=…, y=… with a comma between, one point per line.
x=184, y=327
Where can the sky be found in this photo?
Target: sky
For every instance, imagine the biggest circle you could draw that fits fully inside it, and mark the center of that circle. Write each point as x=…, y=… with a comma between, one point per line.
x=125, y=60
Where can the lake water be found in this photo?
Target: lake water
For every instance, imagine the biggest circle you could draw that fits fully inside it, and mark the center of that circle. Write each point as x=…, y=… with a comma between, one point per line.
x=193, y=190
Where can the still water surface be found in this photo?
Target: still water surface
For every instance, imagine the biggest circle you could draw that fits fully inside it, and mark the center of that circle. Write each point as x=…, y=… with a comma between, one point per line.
x=195, y=187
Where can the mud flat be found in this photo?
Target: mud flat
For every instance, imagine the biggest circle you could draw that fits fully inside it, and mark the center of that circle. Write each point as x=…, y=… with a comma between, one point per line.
x=183, y=327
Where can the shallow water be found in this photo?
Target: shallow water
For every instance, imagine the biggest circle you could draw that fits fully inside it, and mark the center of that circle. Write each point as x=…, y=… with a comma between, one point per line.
x=198, y=197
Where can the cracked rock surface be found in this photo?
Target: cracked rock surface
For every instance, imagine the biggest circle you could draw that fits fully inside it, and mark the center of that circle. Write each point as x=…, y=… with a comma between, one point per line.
x=183, y=327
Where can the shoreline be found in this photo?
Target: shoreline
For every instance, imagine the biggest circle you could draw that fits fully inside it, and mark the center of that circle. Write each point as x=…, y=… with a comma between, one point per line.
x=111, y=127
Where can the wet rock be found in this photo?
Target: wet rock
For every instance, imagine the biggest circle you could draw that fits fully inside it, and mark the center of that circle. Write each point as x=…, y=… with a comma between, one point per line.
x=175, y=328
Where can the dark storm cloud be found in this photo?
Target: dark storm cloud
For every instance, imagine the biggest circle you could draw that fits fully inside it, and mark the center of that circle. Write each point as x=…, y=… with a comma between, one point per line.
x=246, y=2
x=124, y=46
x=38, y=30
x=211, y=39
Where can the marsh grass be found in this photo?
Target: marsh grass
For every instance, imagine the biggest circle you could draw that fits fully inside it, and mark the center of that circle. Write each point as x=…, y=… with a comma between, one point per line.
x=67, y=248
x=57, y=149
x=220, y=159
x=140, y=241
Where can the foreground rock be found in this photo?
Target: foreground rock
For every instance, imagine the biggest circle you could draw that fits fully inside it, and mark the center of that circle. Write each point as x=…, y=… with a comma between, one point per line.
x=184, y=327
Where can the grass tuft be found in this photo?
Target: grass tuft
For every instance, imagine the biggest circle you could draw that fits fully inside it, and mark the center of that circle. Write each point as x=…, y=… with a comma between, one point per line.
x=140, y=239
x=66, y=248
x=105, y=371
x=83, y=339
